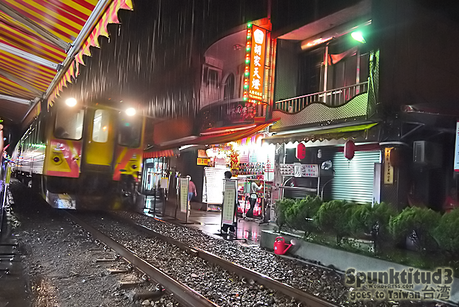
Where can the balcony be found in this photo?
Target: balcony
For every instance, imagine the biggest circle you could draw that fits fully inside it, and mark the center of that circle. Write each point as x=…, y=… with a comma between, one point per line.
x=338, y=105
x=333, y=98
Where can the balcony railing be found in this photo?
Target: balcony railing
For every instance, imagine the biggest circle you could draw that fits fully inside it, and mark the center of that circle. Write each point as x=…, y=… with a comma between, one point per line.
x=334, y=97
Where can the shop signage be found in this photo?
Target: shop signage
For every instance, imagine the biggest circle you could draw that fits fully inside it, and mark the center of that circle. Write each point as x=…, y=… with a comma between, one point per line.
x=202, y=153
x=299, y=170
x=183, y=194
x=456, y=153
x=203, y=161
x=388, y=168
x=255, y=63
x=228, y=202
x=149, y=160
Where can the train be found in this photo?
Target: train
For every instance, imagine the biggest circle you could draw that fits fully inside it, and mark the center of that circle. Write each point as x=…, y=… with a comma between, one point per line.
x=82, y=157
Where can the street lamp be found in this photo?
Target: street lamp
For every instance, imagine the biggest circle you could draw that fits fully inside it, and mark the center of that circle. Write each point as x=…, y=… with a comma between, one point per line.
x=358, y=36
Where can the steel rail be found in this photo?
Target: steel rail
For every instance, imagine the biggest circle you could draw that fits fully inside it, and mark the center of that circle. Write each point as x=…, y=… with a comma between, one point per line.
x=307, y=298
x=182, y=293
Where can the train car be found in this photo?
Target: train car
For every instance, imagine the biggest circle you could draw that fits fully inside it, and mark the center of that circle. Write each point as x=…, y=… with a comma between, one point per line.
x=86, y=158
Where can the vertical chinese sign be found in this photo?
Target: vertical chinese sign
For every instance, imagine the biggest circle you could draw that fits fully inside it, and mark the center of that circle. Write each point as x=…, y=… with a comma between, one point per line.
x=255, y=64
x=388, y=169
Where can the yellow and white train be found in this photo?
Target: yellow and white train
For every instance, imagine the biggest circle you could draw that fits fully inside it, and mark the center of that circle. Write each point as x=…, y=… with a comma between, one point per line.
x=87, y=158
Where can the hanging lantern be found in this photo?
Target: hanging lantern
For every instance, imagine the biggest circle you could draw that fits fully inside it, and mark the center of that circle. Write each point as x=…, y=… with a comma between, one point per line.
x=349, y=149
x=300, y=151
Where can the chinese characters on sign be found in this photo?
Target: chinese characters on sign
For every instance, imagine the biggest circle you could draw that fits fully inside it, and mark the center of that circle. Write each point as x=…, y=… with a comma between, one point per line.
x=299, y=170
x=388, y=169
x=257, y=63
x=229, y=202
x=183, y=194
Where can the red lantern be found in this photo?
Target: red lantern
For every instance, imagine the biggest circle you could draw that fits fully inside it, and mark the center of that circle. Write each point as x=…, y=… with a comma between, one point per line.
x=300, y=151
x=349, y=149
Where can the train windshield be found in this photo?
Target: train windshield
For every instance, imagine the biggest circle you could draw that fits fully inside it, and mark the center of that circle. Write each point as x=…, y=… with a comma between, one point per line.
x=130, y=128
x=69, y=124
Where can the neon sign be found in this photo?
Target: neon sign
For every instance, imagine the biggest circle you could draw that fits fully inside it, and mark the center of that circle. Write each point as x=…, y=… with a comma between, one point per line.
x=254, y=64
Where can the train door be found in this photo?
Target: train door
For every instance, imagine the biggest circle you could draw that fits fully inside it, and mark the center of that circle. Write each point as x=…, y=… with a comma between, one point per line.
x=99, y=141
x=128, y=156
x=129, y=147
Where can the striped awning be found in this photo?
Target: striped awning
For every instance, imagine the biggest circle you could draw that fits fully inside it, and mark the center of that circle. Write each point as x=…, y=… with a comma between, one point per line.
x=42, y=44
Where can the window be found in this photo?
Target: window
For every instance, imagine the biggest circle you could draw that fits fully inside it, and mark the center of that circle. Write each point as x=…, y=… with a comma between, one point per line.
x=130, y=128
x=69, y=124
x=100, y=126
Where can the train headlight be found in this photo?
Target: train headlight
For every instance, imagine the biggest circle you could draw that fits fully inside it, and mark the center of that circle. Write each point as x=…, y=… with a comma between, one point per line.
x=130, y=111
x=71, y=102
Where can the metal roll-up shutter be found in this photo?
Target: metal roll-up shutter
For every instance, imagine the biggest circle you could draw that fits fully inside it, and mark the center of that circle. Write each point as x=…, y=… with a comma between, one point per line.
x=353, y=179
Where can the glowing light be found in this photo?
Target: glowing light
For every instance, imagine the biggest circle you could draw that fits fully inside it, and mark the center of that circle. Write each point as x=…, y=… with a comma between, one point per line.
x=358, y=36
x=104, y=128
x=71, y=102
x=130, y=111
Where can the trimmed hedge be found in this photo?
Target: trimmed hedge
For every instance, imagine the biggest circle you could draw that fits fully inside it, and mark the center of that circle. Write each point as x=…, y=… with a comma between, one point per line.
x=429, y=230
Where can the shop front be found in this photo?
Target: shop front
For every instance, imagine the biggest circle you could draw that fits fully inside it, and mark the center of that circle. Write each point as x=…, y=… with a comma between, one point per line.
x=251, y=164
x=155, y=179
x=330, y=164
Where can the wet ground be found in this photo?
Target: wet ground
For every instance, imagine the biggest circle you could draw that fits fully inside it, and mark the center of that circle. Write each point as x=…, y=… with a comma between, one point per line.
x=210, y=222
x=15, y=284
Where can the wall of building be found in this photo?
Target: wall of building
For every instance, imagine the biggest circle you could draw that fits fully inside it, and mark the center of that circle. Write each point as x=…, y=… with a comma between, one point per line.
x=418, y=52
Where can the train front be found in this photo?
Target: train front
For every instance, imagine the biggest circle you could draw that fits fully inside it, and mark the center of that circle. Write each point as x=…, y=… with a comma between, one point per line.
x=93, y=158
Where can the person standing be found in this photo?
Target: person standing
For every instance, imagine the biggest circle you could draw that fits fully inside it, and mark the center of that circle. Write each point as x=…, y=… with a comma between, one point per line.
x=254, y=188
x=191, y=191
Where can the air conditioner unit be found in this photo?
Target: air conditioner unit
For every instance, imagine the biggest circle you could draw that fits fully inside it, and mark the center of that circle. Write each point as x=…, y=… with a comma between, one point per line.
x=427, y=154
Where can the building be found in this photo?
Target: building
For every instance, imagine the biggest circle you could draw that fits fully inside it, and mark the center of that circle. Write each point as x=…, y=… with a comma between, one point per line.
x=375, y=73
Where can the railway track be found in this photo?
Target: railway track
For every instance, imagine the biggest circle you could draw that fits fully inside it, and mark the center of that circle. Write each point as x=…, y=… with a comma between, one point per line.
x=252, y=288
x=308, y=299
x=182, y=293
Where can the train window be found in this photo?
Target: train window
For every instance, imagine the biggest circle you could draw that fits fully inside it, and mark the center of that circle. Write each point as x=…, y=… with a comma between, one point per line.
x=129, y=131
x=100, y=127
x=69, y=124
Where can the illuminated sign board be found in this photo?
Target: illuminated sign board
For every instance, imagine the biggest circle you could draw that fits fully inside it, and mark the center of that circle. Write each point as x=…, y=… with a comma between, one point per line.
x=255, y=63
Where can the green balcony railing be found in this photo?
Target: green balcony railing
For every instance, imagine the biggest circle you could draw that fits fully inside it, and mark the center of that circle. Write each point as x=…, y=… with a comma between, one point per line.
x=334, y=97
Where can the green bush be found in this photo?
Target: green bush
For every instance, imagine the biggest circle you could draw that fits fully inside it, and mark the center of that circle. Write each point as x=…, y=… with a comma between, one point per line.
x=333, y=216
x=419, y=223
x=372, y=220
x=281, y=207
x=360, y=220
x=381, y=214
x=447, y=233
x=300, y=215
